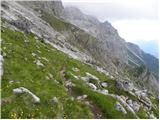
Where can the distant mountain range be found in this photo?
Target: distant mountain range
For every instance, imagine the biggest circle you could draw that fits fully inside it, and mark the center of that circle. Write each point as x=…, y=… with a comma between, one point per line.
x=150, y=47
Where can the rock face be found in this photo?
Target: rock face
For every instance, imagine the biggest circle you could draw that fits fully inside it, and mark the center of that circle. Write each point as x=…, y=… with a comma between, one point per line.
x=51, y=7
x=21, y=90
x=111, y=45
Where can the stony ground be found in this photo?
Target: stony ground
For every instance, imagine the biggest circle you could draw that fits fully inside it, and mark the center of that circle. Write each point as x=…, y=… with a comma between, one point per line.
x=58, y=86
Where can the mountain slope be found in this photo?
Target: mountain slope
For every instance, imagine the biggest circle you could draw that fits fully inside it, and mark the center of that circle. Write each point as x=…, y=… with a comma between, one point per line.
x=38, y=56
x=150, y=61
x=122, y=54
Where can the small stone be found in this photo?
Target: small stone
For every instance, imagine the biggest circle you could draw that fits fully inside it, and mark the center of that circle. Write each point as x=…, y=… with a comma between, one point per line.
x=123, y=97
x=129, y=102
x=90, y=76
x=11, y=82
x=38, y=51
x=104, y=84
x=72, y=98
x=136, y=106
x=87, y=103
x=26, y=41
x=111, y=77
x=105, y=92
x=47, y=77
x=35, y=37
x=50, y=75
x=56, y=81
x=34, y=54
x=45, y=59
x=4, y=48
x=84, y=96
x=120, y=108
x=79, y=97
x=75, y=69
x=151, y=116
x=20, y=90
x=37, y=62
x=92, y=86
x=37, y=46
x=25, y=59
x=4, y=54
x=55, y=100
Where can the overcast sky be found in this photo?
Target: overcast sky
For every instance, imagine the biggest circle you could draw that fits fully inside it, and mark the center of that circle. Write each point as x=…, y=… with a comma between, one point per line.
x=134, y=19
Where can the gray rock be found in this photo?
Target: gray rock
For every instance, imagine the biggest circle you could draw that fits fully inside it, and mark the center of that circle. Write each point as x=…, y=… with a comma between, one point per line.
x=151, y=116
x=22, y=24
x=84, y=96
x=104, y=84
x=47, y=78
x=92, y=86
x=55, y=100
x=35, y=37
x=34, y=54
x=26, y=41
x=11, y=82
x=120, y=108
x=75, y=69
x=87, y=103
x=21, y=90
x=128, y=86
x=1, y=65
x=136, y=106
x=104, y=92
x=4, y=54
x=130, y=102
x=81, y=97
x=119, y=84
x=45, y=59
x=91, y=77
x=38, y=63
x=50, y=75
x=72, y=98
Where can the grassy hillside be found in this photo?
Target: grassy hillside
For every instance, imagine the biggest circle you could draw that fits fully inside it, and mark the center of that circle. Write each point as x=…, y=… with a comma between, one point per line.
x=47, y=82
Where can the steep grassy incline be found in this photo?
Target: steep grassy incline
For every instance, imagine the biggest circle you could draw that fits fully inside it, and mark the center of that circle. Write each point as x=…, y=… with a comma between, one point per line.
x=47, y=81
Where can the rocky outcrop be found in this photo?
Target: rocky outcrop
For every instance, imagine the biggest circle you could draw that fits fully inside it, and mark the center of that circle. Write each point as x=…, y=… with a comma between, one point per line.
x=111, y=44
x=21, y=90
x=52, y=7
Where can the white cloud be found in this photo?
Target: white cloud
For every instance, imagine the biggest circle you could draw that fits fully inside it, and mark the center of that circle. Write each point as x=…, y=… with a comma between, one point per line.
x=134, y=30
x=117, y=9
